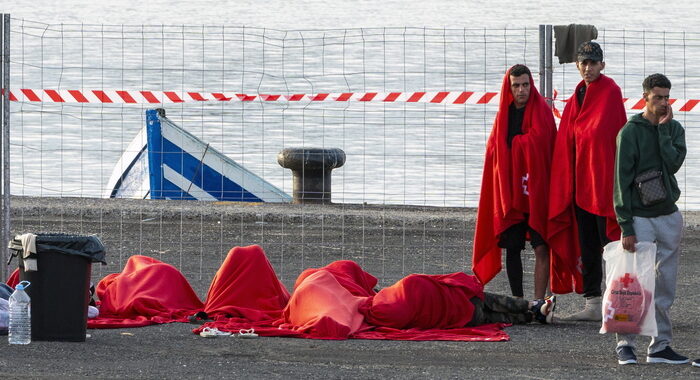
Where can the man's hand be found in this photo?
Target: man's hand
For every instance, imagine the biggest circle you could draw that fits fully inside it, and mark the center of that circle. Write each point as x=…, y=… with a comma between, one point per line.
x=667, y=116
x=628, y=243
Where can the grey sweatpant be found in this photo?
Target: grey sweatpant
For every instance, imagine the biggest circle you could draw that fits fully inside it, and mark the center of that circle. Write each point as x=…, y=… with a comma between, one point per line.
x=666, y=231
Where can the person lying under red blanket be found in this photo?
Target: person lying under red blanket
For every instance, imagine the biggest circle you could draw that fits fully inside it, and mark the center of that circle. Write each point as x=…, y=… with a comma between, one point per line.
x=246, y=286
x=450, y=301
x=338, y=302
x=146, y=292
x=323, y=307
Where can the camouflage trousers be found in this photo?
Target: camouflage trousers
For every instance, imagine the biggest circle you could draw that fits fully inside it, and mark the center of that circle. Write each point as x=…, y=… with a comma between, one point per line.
x=497, y=308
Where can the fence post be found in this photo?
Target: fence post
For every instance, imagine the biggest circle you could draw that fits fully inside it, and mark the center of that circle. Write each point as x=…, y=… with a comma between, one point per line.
x=546, y=67
x=5, y=118
x=542, y=59
x=549, y=69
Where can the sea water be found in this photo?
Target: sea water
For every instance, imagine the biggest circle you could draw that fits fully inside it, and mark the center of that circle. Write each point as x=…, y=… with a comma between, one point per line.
x=397, y=154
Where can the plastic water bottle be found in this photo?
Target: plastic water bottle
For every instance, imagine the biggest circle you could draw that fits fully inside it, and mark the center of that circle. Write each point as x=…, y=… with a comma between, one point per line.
x=20, y=330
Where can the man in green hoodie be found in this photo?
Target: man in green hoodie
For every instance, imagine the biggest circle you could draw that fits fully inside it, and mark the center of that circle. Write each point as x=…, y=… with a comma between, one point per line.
x=650, y=150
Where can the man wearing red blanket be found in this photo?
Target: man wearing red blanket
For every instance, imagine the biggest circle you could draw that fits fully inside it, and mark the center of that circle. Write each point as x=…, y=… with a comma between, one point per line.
x=581, y=214
x=515, y=185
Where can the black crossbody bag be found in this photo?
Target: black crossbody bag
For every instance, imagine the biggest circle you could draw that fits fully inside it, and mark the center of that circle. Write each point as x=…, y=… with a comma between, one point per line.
x=651, y=187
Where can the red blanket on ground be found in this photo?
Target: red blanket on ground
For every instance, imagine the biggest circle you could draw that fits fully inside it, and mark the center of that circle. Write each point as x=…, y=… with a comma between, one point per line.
x=426, y=302
x=583, y=167
x=146, y=292
x=246, y=286
x=322, y=308
x=429, y=307
x=335, y=302
x=515, y=179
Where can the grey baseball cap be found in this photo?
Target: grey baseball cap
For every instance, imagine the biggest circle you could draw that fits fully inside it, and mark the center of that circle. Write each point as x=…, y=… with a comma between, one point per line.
x=589, y=50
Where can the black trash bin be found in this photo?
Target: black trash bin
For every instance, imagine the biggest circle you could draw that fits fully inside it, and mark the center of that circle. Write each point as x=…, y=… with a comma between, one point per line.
x=60, y=285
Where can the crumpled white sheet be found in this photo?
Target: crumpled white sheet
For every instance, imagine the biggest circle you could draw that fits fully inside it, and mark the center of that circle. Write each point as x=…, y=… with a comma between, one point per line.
x=28, y=243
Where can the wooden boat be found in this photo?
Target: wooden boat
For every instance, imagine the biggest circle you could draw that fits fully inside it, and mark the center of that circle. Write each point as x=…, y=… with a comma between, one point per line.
x=164, y=161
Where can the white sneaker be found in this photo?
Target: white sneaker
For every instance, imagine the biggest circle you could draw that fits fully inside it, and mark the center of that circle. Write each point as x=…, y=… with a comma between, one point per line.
x=543, y=310
x=591, y=312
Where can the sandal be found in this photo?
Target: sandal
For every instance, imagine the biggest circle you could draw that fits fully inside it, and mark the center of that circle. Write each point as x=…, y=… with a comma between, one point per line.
x=212, y=332
x=247, y=334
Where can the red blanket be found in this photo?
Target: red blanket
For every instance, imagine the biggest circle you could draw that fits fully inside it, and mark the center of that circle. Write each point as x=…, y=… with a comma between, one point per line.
x=426, y=302
x=13, y=280
x=337, y=302
x=322, y=308
x=428, y=307
x=348, y=274
x=246, y=293
x=146, y=292
x=583, y=167
x=515, y=179
x=246, y=286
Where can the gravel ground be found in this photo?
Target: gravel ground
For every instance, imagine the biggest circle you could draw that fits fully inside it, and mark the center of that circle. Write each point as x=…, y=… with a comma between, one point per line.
x=389, y=242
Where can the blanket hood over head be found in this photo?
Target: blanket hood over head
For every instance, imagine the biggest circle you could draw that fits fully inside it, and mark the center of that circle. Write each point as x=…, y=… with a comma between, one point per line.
x=584, y=160
x=515, y=180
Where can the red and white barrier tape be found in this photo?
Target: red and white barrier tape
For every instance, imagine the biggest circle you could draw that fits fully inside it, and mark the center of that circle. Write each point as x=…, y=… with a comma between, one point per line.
x=156, y=97
x=169, y=97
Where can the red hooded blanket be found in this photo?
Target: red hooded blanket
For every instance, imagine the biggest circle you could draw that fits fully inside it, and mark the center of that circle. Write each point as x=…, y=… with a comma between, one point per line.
x=146, y=292
x=348, y=274
x=246, y=286
x=323, y=308
x=583, y=172
x=515, y=179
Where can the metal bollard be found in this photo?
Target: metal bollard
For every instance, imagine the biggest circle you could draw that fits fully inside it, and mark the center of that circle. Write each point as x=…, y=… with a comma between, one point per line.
x=311, y=171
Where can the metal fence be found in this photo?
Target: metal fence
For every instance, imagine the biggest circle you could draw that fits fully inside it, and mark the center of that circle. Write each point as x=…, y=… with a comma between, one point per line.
x=411, y=107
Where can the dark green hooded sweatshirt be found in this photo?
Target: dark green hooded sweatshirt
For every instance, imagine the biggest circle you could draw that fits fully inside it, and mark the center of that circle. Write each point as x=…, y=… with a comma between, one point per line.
x=642, y=147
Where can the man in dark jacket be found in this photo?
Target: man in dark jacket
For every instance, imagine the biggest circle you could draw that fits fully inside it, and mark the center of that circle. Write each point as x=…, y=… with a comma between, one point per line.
x=650, y=150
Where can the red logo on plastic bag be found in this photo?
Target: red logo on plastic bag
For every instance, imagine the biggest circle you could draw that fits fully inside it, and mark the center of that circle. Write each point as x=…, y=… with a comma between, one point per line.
x=626, y=305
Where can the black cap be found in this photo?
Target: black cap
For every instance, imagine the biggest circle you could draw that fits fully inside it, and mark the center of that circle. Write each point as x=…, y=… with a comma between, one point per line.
x=590, y=50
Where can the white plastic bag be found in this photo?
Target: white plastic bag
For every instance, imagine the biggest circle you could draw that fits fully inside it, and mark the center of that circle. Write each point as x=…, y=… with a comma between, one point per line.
x=628, y=303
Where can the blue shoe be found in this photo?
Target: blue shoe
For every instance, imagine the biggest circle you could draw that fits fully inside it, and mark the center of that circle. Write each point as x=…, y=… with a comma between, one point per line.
x=667, y=356
x=625, y=355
